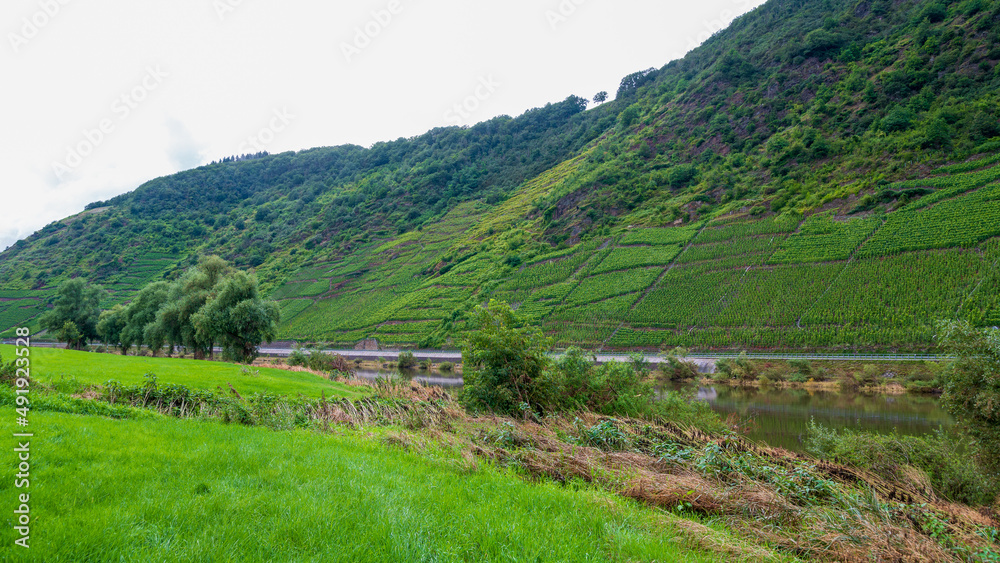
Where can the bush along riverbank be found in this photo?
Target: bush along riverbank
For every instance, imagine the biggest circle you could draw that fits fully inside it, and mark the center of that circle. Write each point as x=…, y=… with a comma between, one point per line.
x=600, y=429
x=870, y=377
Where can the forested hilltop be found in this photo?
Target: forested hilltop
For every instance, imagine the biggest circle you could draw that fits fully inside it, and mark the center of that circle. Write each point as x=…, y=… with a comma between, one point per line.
x=821, y=174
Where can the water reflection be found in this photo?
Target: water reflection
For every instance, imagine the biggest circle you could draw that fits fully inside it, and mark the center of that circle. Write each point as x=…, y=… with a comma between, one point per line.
x=417, y=376
x=781, y=415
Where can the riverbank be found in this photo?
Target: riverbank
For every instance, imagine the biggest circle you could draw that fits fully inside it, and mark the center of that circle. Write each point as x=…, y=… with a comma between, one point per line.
x=889, y=378
x=653, y=489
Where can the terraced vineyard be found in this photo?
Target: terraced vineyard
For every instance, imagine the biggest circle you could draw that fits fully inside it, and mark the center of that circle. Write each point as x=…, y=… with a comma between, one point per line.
x=23, y=307
x=821, y=280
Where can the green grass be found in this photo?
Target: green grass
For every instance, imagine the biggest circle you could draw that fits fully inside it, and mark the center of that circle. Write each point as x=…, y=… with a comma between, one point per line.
x=50, y=365
x=200, y=491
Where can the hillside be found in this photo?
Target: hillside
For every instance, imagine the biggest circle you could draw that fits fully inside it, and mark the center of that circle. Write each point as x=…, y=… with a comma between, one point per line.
x=821, y=174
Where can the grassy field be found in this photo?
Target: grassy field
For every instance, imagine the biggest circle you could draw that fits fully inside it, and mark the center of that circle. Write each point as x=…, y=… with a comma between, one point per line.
x=52, y=366
x=200, y=491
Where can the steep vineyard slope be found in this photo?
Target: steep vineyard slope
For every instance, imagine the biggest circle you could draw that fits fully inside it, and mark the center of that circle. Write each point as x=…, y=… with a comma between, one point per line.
x=822, y=174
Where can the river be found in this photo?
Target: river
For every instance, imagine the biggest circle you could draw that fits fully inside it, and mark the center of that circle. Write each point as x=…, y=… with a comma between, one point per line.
x=780, y=416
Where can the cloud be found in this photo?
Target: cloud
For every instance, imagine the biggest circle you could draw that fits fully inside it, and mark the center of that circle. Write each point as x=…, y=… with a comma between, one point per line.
x=183, y=150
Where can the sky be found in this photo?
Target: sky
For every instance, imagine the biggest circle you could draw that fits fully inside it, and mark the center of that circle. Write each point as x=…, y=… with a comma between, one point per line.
x=103, y=96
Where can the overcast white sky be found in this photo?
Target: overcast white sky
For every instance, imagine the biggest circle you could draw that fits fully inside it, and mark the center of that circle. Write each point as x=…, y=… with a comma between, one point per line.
x=102, y=96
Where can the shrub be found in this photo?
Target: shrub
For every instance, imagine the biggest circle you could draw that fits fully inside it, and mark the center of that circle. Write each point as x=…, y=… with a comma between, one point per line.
x=505, y=362
x=724, y=369
x=605, y=435
x=742, y=368
x=801, y=366
x=508, y=371
x=676, y=368
x=682, y=175
x=297, y=358
x=425, y=365
x=772, y=374
x=940, y=457
x=972, y=385
x=899, y=119
x=446, y=366
x=320, y=361
x=869, y=375
x=405, y=360
x=8, y=372
x=934, y=12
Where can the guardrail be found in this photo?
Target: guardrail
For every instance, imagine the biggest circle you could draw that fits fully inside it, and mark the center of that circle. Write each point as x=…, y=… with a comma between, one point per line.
x=453, y=354
x=819, y=357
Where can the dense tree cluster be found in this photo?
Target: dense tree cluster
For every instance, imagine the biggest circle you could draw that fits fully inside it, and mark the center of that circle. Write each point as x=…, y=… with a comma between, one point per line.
x=75, y=316
x=210, y=304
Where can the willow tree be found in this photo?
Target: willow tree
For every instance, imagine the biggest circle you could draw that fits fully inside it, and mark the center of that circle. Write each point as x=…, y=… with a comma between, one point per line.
x=76, y=313
x=187, y=296
x=238, y=318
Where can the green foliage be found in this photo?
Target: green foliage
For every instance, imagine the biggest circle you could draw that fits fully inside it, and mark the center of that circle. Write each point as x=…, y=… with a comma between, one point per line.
x=738, y=368
x=51, y=366
x=605, y=435
x=504, y=362
x=603, y=286
x=140, y=318
x=7, y=372
x=677, y=368
x=62, y=403
x=799, y=484
x=656, y=237
x=405, y=360
x=237, y=317
x=297, y=358
x=963, y=221
x=821, y=239
x=801, y=366
x=630, y=257
x=943, y=459
x=76, y=312
x=972, y=385
x=682, y=176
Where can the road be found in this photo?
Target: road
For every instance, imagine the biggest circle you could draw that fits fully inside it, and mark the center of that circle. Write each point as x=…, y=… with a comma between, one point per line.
x=706, y=361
